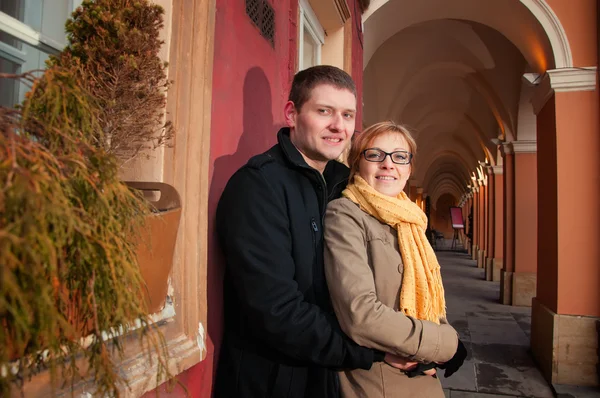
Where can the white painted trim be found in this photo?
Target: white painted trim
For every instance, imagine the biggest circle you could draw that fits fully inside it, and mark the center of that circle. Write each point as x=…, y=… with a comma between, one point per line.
x=573, y=79
x=525, y=146
x=506, y=149
x=312, y=21
x=563, y=57
x=540, y=9
x=563, y=80
x=498, y=170
x=308, y=19
x=542, y=94
x=26, y=34
x=12, y=54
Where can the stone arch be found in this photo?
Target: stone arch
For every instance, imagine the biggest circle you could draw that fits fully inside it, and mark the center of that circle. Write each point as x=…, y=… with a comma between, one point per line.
x=563, y=58
x=561, y=49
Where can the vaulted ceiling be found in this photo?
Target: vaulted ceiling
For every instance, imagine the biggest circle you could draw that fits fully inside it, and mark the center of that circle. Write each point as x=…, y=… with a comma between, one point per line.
x=452, y=71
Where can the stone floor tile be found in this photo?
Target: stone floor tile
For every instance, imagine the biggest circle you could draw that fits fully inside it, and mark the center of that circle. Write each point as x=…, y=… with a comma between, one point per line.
x=497, y=332
x=524, y=322
x=462, y=327
x=517, y=356
x=466, y=394
x=499, y=362
x=463, y=379
x=492, y=316
x=564, y=391
x=499, y=379
x=446, y=393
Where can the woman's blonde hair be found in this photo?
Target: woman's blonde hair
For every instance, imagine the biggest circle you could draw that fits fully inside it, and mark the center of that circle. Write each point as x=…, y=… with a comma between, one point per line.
x=361, y=141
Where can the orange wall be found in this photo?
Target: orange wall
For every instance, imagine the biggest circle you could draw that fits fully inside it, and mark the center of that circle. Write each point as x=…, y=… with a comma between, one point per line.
x=578, y=175
x=440, y=219
x=525, y=212
x=547, y=274
x=509, y=213
x=579, y=19
x=499, y=216
x=490, y=217
x=481, y=217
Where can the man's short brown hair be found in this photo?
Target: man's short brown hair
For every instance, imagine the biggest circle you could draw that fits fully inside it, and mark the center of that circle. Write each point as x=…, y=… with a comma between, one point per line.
x=307, y=79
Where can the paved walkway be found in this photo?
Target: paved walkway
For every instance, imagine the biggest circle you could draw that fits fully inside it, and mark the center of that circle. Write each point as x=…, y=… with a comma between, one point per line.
x=497, y=336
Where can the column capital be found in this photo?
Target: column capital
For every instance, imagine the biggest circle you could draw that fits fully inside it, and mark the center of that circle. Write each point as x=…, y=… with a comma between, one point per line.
x=419, y=190
x=497, y=170
x=560, y=80
x=524, y=146
x=506, y=149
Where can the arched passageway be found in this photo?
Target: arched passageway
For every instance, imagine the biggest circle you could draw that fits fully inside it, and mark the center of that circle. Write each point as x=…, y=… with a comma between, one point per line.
x=491, y=91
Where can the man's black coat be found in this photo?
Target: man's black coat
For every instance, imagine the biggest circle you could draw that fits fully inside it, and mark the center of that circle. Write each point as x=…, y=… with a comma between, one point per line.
x=281, y=337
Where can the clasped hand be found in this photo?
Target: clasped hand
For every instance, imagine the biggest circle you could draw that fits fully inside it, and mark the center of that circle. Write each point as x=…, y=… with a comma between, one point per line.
x=412, y=368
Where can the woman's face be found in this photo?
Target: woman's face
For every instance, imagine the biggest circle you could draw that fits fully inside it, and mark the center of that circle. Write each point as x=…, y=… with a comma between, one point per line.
x=387, y=177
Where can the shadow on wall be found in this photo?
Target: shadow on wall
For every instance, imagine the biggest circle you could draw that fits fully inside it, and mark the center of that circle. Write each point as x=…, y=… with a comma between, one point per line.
x=258, y=131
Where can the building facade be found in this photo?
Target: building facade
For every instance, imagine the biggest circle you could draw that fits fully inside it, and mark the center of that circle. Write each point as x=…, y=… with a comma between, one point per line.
x=503, y=99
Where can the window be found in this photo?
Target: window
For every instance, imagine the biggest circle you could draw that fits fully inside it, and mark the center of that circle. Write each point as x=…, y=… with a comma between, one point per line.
x=30, y=30
x=310, y=38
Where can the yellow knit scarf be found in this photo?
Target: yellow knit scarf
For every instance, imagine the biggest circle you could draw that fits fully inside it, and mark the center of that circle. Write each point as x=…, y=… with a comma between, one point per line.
x=422, y=292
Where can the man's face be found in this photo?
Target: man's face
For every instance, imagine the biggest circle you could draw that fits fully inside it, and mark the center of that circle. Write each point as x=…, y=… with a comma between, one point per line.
x=323, y=127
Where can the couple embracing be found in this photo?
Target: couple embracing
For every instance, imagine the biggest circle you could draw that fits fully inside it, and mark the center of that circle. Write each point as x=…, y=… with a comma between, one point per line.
x=331, y=288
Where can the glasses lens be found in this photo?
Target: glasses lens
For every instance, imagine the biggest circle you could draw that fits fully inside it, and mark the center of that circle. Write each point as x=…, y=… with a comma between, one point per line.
x=374, y=155
x=401, y=157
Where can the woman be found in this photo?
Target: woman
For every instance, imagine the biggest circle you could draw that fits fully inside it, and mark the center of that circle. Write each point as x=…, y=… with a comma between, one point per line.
x=382, y=273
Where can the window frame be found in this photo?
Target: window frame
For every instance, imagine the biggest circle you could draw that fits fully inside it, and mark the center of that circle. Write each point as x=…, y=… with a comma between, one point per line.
x=308, y=19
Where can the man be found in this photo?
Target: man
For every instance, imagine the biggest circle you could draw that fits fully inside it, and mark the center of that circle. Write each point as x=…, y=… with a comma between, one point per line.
x=281, y=336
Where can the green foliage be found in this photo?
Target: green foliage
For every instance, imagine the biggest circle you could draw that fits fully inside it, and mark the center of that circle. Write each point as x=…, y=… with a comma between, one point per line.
x=115, y=45
x=67, y=239
x=68, y=225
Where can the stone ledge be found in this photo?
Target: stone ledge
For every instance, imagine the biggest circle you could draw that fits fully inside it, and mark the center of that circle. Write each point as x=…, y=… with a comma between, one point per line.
x=497, y=271
x=565, y=346
x=524, y=288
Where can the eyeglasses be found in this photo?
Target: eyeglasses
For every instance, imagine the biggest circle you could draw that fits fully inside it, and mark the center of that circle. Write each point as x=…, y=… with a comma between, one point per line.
x=377, y=155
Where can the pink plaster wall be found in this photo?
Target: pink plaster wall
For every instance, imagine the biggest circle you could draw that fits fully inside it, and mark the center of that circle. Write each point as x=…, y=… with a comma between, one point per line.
x=578, y=18
x=526, y=212
x=547, y=274
x=440, y=219
x=578, y=177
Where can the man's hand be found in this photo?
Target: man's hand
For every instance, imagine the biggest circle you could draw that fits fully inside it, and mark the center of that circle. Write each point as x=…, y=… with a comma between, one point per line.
x=399, y=362
x=430, y=372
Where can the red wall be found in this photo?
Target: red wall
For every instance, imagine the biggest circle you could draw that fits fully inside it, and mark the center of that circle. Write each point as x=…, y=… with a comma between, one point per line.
x=251, y=81
x=357, y=58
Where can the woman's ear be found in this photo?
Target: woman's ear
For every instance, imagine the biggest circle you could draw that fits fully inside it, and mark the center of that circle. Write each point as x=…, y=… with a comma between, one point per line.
x=290, y=114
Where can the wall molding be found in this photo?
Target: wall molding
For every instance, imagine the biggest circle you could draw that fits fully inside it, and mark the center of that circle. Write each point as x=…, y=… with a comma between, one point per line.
x=554, y=29
x=563, y=80
x=525, y=146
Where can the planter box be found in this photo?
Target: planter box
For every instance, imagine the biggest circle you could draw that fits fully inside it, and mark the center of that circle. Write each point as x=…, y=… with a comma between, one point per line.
x=157, y=240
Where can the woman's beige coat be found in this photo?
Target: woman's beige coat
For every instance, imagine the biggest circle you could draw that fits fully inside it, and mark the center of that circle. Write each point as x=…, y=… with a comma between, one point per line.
x=364, y=269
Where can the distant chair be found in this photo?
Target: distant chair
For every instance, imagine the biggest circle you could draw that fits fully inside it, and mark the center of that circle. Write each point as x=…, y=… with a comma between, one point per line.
x=437, y=235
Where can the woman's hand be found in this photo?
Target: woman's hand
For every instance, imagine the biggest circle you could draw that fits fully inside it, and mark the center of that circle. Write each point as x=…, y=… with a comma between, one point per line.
x=399, y=362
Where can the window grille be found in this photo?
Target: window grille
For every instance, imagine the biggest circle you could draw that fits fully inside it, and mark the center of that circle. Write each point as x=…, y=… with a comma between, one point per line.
x=263, y=17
